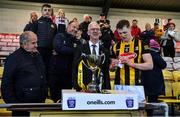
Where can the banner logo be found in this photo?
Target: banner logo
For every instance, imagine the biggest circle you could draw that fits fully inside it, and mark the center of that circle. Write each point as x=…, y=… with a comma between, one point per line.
x=130, y=103
x=71, y=102
x=128, y=55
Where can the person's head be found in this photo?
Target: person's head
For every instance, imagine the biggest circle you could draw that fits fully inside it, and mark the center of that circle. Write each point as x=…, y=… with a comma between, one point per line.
x=28, y=41
x=154, y=45
x=61, y=13
x=134, y=23
x=148, y=26
x=102, y=16
x=46, y=10
x=73, y=28
x=86, y=18
x=79, y=33
x=124, y=30
x=75, y=19
x=94, y=31
x=156, y=25
x=172, y=26
x=33, y=16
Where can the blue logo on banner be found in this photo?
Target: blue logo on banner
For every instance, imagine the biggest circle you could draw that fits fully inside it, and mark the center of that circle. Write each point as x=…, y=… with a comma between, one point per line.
x=129, y=103
x=71, y=102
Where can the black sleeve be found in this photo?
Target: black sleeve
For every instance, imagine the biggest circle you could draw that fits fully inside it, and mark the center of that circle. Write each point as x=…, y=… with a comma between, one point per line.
x=61, y=46
x=7, y=85
x=112, y=52
x=76, y=60
x=158, y=60
x=105, y=69
x=108, y=22
x=55, y=30
x=32, y=27
x=145, y=48
x=112, y=36
x=27, y=27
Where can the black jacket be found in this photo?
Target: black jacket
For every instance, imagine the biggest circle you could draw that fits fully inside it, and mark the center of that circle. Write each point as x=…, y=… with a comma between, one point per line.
x=107, y=33
x=45, y=30
x=153, y=80
x=64, y=46
x=24, y=79
x=87, y=74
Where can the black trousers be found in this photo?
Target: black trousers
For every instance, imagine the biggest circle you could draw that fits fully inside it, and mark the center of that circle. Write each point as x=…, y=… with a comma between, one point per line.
x=20, y=113
x=57, y=82
x=46, y=55
x=169, y=51
x=151, y=98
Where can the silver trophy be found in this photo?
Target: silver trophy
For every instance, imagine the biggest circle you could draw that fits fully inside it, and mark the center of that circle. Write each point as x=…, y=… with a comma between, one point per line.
x=92, y=62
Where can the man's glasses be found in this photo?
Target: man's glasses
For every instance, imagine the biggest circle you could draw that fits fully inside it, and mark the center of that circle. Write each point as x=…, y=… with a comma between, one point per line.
x=95, y=29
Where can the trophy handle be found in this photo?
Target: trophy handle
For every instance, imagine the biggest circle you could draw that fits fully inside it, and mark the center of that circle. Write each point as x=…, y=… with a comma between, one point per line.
x=85, y=56
x=104, y=57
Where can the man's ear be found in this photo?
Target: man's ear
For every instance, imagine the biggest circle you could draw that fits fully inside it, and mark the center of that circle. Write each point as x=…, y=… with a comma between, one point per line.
x=100, y=33
x=88, y=32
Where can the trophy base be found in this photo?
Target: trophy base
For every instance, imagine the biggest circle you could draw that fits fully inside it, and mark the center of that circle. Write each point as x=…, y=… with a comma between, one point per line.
x=93, y=88
x=105, y=92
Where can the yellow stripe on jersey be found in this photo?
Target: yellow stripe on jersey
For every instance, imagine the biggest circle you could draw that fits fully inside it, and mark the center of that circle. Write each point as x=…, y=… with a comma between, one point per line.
x=114, y=48
x=122, y=70
x=140, y=50
x=132, y=70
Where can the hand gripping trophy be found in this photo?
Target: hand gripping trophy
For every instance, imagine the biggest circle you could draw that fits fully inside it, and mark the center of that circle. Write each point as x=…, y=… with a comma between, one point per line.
x=92, y=62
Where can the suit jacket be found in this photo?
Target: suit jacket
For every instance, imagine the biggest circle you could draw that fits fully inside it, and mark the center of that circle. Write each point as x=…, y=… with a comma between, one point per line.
x=87, y=74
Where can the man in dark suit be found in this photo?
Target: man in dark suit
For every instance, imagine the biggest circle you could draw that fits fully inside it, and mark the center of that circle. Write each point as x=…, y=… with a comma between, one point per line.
x=24, y=79
x=82, y=76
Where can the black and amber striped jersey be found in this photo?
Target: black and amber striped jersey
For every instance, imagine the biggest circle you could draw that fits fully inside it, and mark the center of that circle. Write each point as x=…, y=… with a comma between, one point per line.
x=134, y=49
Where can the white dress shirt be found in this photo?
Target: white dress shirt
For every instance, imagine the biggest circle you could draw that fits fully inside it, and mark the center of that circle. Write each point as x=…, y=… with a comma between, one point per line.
x=96, y=48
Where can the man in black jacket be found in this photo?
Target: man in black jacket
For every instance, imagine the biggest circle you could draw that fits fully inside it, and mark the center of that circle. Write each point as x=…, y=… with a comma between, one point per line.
x=33, y=18
x=84, y=26
x=60, y=72
x=45, y=30
x=82, y=76
x=107, y=36
x=24, y=79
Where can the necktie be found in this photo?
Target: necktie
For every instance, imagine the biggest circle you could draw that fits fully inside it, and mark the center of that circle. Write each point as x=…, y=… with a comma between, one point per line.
x=94, y=50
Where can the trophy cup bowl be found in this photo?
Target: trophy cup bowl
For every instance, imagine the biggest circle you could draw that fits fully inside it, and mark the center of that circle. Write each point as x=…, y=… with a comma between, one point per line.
x=92, y=63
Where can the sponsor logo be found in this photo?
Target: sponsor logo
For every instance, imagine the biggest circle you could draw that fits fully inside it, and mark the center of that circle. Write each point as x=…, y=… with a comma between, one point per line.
x=71, y=102
x=100, y=102
x=128, y=55
x=130, y=102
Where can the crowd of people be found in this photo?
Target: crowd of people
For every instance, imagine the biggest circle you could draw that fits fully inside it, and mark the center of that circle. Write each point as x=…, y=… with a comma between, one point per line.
x=51, y=48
